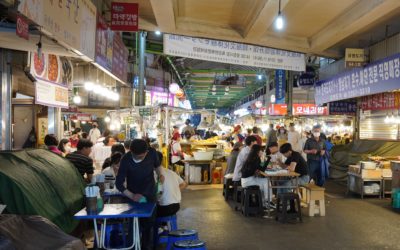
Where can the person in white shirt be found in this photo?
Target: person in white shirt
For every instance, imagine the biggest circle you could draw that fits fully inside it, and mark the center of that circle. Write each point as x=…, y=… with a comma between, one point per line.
x=94, y=133
x=242, y=157
x=169, y=201
x=276, y=157
x=176, y=150
x=294, y=138
x=111, y=172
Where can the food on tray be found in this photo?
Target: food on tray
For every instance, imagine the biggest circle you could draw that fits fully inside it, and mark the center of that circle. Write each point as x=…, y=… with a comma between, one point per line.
x=38, y=63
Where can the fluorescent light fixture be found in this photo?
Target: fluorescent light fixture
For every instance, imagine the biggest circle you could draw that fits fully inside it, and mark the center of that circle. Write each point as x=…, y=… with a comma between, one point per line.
x=89, y=86
x=107, y=119
x=77, y=99
x=157, y=32
x=259, y=77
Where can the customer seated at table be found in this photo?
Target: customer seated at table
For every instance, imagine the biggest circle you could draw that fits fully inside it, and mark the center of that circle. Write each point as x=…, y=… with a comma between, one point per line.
x=253, y=165
x=81, y=159
x=64, y=146
x=231, y=162
x=250, y=141
x=294, y=163
x=51, y=142
x=118, y=147
x=276, y=157
x=111, y=172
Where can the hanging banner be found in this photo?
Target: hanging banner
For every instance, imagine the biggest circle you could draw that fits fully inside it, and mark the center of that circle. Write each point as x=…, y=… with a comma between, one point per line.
x=383, y=101
x=307, y=79
x=69, y=22
x=111, y=53
x=354, y=58
x=22, y=29
x=124, y=16
x=280, y=86
x=309, y=109
x=50, y=94
x=232, y=53
x=343, y=108
x=378, y=77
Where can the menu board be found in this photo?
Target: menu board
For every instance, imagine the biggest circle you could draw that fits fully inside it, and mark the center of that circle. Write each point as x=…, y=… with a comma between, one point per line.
x=343, y=108
x=277, y=109
x=381, y=101
x=119, y=58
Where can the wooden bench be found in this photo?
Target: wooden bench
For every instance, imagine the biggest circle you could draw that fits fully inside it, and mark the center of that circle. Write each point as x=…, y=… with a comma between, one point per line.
x=310, y=194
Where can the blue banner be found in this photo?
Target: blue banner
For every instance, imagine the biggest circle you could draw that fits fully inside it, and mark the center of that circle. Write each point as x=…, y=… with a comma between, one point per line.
x=280, y=86
x=377, y=77
x=343, y=108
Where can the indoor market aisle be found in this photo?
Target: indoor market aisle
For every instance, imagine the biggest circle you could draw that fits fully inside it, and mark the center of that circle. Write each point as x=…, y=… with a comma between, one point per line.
x=350, y=223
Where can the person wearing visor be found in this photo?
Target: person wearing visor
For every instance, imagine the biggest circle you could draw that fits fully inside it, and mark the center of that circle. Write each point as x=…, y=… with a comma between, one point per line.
x=137, y=169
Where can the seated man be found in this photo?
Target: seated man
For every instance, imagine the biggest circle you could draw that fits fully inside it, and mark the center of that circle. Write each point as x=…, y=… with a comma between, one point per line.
x=81, y=159
x=276, y=157
x=294, y=163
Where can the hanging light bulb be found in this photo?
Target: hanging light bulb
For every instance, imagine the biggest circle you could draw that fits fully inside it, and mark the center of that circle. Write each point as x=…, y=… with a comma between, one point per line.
x=157, y=32
x=387, y=119
x=214, y=88
x=213, y=93
x=279, y=21
x=77, y=99
x=107, y=119
x=259, y=77
x=97, y=89
x=227, y=88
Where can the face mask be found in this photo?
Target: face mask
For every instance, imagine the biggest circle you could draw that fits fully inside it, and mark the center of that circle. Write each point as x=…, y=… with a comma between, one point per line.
x=67, y=149
x=282, y=131
x=316, y=134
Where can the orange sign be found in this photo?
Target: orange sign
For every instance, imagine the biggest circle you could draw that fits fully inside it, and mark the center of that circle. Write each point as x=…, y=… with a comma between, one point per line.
x=277, y=109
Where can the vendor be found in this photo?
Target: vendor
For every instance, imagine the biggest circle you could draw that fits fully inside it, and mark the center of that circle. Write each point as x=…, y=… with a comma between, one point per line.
x=237, y=134
x=188, y=130
x=176, y=150
x=74, y=139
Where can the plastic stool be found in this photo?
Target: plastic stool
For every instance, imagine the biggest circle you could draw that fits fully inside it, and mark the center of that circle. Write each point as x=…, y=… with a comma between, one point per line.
x=252, y=201
x=112, y=238
x=181, y=234
x=190, y=244
x=237, y=194
x=228, y=188
x=282, y=204
x=172, y=225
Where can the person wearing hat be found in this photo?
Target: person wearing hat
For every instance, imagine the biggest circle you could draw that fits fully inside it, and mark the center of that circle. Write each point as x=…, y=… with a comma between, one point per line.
x=237, y=134
x=294, y=138
x=94, y=133
x=231, y=162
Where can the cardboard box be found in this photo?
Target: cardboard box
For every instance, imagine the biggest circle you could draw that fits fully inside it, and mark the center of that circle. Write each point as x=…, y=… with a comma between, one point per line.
x=355, y=169
x=387, y=173
x=371, y=174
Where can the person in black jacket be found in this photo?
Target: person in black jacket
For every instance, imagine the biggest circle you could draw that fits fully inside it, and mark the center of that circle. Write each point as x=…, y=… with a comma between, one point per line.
x=254, y=164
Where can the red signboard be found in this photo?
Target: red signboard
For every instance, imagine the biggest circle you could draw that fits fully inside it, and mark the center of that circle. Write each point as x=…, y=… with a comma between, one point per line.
x=277, y=109
x=381, y=101
x=309, y=109
x=124, y=16
x=22, y=27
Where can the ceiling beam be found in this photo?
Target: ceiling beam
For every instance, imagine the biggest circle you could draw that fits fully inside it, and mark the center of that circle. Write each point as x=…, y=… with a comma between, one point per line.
x=165, y=16
x=359, y=16
x=263, y=19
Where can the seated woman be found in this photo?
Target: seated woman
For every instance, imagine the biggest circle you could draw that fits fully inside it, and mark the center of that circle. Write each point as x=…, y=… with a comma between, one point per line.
x=64, y=146
x=112, y=171
x=294, y=163
x=250, y=172
x=52, y=144
x=232, y=160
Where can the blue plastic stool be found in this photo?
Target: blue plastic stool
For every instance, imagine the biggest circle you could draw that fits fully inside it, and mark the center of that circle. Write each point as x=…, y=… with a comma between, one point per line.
x=172, y=224
x=179, y=235
x=190, y=244
x=109, y=230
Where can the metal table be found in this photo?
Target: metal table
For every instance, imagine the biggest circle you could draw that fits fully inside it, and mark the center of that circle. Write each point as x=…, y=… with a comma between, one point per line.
x=132, y=210
x=355, y=184
x=275, y=178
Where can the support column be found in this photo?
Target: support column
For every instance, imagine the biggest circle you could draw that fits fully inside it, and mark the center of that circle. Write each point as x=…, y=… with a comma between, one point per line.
x=142, y=51
x=6, y=98
x=290, y=93
x=54, y=117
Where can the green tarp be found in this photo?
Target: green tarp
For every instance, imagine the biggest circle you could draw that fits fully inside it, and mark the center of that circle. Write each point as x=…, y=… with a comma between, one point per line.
x=39, y=182
x=344, y=155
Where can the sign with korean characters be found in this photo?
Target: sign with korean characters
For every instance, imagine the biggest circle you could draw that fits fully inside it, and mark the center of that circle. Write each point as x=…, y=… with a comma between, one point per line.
x=382, y=101
x=233, y=53
x=277, y=109
x=354, y=58
x=280, y=86
x=309, y=109
x=70, y=22
x=343, y=108
x=124, y=16
x=377, y=77
x=22, y=29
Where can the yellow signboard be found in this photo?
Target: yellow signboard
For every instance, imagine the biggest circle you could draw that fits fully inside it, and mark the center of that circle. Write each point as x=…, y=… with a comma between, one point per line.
x=354, y=58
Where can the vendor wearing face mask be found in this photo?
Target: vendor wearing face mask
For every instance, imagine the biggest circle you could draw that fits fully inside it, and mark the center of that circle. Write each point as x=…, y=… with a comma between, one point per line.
x=315, y=149
x=137, y=168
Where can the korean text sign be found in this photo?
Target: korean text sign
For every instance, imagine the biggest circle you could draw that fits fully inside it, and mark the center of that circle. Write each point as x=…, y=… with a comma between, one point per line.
x=233, y=53
x=343, y=108
x=124, y=16
x=309, y=109
x=378, y=77
x=280, y=86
